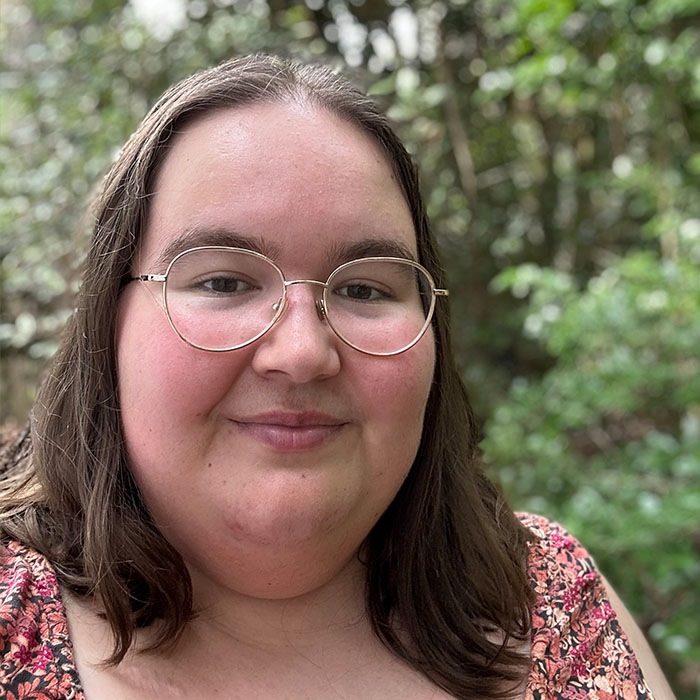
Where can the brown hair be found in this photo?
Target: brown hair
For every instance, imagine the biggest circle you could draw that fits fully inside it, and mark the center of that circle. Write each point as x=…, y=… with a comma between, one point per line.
x=446, y=563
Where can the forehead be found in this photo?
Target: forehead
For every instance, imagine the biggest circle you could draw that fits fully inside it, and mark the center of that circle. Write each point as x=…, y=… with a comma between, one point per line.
x=288, y=178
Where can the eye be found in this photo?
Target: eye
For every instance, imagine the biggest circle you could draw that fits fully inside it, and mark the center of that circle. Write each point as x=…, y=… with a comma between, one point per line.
x=223, y=285
x=362, y=291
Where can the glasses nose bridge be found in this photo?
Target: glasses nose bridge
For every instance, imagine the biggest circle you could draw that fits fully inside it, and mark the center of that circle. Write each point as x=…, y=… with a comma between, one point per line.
x=319, y=304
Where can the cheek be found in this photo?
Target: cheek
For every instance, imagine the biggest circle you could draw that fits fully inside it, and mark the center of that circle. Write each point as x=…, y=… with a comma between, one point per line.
x=395, y=395
x=162, y=381
x=397, y=392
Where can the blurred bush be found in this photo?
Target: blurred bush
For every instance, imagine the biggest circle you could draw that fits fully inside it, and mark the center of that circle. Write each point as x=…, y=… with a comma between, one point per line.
x=559, y=144
x=608, y=440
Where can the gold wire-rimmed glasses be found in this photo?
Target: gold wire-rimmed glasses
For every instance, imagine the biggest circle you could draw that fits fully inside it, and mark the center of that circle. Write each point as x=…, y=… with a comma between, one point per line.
x=219, y=299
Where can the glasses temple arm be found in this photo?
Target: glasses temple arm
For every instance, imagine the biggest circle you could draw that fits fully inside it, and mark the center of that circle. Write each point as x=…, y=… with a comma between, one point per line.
x=147, y=278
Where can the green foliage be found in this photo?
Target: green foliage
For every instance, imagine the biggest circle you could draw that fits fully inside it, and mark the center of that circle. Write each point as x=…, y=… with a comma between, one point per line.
x=559, y=145
x=608, y=440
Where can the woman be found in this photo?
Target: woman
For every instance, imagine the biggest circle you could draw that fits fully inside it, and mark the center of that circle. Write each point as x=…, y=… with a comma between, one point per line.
x=251, y=469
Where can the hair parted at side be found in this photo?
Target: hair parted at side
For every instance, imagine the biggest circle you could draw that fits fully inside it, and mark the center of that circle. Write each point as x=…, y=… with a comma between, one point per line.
x=445, y=563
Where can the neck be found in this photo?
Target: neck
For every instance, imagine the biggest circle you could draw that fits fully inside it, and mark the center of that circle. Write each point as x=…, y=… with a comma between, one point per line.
x=333, y=611
x=309, y=639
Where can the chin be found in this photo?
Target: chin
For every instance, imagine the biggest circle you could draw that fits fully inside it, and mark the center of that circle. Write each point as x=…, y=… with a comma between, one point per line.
x=276, y=577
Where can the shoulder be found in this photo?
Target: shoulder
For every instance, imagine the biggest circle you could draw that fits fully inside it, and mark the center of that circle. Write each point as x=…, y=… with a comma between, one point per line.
x=579, y=649
x=36, y=658
x=557, y=560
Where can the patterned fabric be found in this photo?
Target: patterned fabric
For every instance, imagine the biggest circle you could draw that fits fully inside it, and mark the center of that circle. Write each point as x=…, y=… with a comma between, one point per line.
x=35, y=649
x=579, y=651
x=578, y=648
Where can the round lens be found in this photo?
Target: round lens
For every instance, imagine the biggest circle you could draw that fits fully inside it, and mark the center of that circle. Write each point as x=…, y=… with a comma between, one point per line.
x=380, y=306
x=222, y=299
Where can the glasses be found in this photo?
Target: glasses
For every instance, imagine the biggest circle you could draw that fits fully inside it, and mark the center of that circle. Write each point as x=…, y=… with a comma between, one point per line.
x=220, y=299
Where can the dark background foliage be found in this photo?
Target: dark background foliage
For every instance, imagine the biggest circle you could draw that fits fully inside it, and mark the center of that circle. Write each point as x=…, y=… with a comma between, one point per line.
x=559, y=144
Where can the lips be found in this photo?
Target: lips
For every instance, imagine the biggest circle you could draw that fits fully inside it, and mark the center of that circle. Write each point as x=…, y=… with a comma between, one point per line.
x=291, y=432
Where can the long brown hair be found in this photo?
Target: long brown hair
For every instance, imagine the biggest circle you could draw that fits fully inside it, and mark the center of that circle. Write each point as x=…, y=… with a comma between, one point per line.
x=445, y=563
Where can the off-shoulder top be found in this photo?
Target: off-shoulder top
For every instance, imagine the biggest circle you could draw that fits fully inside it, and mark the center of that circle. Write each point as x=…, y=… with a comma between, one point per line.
x=578, y=650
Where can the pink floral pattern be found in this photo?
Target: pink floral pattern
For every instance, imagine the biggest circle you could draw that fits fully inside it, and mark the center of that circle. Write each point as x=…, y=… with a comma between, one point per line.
x=36, y=655
x=578, y=650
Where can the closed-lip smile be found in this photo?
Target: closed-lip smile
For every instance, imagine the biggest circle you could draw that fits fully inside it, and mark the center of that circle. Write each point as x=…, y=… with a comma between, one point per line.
x=291, y=431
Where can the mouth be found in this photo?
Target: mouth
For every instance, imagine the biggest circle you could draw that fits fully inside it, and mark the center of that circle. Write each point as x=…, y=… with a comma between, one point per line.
x=291, y=432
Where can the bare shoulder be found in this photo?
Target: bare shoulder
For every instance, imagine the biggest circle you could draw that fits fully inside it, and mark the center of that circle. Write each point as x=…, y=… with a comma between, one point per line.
x=645, y=657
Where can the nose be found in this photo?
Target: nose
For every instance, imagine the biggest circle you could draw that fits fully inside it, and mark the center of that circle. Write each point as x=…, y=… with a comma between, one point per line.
x=300, y=347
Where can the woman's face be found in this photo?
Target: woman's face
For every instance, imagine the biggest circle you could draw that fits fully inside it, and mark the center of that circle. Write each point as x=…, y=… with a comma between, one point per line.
x=267, y=466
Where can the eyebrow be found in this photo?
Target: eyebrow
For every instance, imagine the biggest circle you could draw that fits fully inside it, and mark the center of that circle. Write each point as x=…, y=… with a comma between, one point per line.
x=369, y=248
x=196, y=237
x=338, y=253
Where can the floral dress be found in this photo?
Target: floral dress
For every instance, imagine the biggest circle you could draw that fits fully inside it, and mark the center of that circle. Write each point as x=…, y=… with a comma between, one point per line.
x=578, y=650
